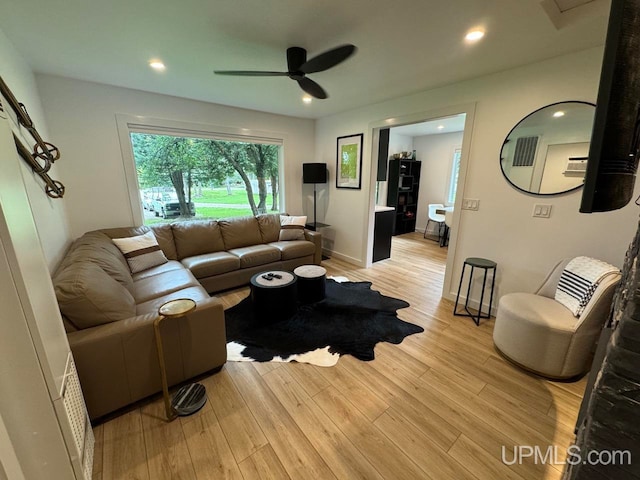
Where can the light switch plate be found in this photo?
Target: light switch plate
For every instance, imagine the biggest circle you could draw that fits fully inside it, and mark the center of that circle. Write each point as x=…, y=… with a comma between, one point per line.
x=541, y=210
x=470, y=204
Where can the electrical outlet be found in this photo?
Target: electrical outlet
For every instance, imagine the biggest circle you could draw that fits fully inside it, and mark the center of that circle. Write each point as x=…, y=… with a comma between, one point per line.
x=470, y=204
x=541, y=210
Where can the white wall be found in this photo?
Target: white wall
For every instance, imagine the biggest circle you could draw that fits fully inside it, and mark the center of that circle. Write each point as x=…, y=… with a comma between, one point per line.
x=503, y=229
x=436, y=154
x=33, y=237
x=82, y=118
x=49, y=214
x=399, y=143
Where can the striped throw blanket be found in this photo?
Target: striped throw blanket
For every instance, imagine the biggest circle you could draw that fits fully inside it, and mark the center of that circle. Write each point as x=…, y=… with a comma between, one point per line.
x=579, y=280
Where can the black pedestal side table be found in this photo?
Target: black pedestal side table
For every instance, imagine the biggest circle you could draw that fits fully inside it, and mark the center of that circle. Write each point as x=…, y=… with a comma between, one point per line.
x=474, y=263
x=311, y=283
x=274, y=295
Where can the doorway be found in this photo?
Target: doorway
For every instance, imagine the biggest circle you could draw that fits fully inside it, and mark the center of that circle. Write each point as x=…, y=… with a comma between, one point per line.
x=441, y=141
x=436, y=144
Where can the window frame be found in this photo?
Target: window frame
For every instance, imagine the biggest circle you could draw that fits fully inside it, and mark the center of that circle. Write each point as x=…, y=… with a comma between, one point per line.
x=452, y=181
x=127, y=124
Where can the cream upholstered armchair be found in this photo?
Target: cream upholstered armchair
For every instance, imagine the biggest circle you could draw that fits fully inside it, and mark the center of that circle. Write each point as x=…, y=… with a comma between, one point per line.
x=540, y=334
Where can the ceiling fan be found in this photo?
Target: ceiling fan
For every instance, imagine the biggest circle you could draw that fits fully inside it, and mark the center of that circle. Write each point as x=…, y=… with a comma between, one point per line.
x=299, y=67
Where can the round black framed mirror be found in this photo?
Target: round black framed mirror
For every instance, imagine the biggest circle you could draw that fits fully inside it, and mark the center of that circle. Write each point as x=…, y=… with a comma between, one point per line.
x=546, y=152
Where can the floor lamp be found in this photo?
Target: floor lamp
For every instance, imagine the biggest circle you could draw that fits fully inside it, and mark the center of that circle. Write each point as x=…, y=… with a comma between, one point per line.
x=314, y=173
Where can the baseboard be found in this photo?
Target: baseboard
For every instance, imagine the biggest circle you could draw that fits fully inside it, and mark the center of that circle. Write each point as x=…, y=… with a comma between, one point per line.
x=472, y=303
x=342, y=257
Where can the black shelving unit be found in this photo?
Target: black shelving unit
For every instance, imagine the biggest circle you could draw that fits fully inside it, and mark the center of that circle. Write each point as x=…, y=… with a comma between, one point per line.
x=402, y=193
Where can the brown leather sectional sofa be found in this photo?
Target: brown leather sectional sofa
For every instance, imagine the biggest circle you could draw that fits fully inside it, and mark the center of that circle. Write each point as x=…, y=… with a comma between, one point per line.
x=109, y=313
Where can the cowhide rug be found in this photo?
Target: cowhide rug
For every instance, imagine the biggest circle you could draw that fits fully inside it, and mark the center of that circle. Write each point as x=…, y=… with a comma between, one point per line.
x=352, y=319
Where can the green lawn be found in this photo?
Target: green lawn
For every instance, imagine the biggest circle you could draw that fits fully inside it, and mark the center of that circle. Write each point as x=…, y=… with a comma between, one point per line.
x=206, y=212
x=219, y=212
x=219, y=195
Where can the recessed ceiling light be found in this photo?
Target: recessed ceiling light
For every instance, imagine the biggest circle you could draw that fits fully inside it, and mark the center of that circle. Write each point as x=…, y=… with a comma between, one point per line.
x=474, y=35
x=440, y=127
x=559, y=113
x=307, y=99
x=157, y=65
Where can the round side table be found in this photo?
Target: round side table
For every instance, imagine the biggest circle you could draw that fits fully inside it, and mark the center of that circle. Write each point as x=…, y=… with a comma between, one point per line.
x=274, y=295
x=311, y=283
x=189, y=398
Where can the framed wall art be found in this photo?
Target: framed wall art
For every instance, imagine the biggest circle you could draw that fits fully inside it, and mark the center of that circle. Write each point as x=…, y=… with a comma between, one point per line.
x=349, y=162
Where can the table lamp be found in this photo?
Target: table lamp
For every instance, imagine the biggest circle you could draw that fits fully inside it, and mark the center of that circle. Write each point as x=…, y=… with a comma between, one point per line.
x=189, y=398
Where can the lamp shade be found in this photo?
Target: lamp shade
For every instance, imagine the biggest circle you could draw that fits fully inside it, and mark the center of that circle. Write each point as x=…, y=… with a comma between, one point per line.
x=314, y=173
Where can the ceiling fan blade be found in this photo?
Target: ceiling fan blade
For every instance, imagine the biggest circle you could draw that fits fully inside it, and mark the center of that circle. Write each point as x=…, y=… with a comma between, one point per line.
x=251, y=73
x=328, y=59
x=312, y=88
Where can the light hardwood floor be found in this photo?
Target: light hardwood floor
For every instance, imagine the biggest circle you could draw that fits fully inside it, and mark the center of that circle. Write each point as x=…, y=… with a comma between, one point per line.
x=441, y=405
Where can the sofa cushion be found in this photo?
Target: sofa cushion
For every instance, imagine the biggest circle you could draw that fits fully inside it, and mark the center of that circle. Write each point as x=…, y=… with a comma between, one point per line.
x=269, y=224
x=165, y=267
x=96, y=247
x=121, y=232
x=68, y=326
x=142, y=251
x=530, y=309
x=292, y=228
x=162, y=284
x=256, y=255
x=240, y=232
x=294, y=248
x=196, y=238
x=198, y=294
x=210, y=264
x=164, y=235
x=88, y=296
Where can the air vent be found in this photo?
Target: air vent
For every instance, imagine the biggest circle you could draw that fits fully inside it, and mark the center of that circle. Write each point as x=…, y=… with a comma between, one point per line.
x=563, y=13
x=564, y=5
x=525, y=153
x=80, y=426
x=576, y=166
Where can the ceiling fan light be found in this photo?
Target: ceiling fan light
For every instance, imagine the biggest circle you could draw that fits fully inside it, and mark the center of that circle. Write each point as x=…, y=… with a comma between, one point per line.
x=157, y=65
x=474, y=35
x=307, y=99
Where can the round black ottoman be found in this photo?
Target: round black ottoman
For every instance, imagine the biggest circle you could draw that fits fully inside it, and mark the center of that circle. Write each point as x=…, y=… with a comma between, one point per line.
x=274, y=295
x=311, y=283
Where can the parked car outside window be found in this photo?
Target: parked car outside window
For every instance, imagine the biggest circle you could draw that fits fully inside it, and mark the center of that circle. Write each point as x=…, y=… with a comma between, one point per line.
x=167, y=206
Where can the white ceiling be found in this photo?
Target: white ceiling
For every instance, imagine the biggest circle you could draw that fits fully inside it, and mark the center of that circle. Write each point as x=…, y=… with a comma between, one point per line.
x=451, y=124
x=404, y=46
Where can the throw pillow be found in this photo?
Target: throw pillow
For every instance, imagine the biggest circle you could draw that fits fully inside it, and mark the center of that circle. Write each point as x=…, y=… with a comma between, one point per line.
x=291, y=227
x=142, y=252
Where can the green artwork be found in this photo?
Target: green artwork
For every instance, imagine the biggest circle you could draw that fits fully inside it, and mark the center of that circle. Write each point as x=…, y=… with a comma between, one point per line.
x=349, y=161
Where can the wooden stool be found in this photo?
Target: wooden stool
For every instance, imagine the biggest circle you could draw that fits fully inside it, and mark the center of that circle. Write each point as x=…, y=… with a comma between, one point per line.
x=311, y=283
x=486, y=265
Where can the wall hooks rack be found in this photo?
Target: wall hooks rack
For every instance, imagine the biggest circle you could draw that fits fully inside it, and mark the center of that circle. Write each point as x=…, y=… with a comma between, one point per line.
x=44, y=154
